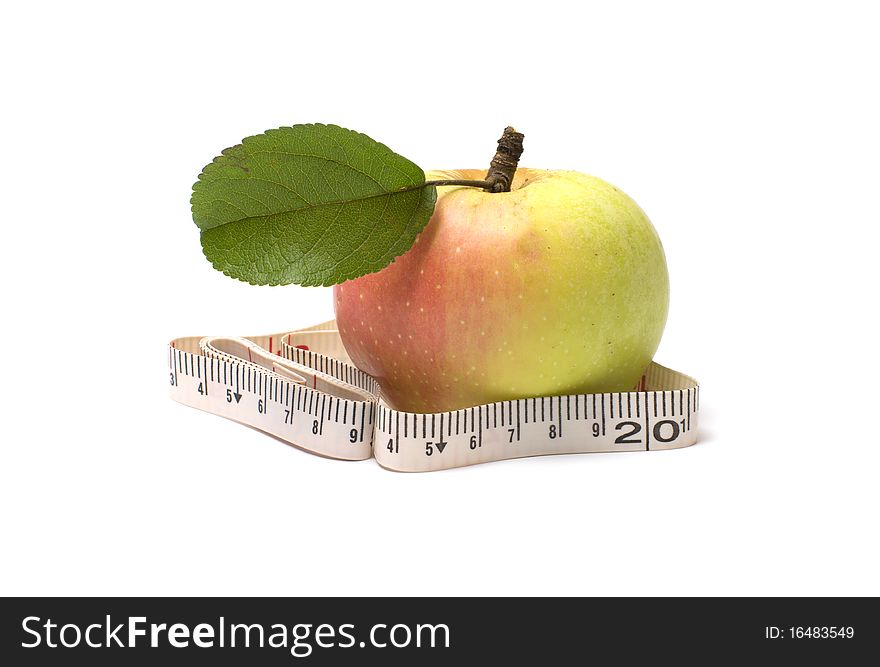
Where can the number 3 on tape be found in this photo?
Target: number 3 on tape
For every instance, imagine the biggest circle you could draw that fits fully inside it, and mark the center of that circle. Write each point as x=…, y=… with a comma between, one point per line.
x=302, y=388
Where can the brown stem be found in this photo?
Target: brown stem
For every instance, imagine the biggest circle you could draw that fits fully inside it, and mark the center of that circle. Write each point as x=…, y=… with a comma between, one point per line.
x=503, y=165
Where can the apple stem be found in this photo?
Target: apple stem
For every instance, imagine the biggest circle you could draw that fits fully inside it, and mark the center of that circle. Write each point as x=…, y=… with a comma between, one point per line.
x=501, y=169
x=503, y=165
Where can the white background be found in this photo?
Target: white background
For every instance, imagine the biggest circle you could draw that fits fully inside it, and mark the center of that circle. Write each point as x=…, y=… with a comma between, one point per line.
x=748, y=133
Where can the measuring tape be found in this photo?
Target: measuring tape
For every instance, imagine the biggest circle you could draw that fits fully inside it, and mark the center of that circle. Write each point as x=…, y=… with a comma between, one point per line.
x=301, y=387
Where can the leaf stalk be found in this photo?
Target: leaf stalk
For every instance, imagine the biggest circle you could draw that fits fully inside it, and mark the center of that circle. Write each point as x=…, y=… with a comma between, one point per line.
x=501, y=169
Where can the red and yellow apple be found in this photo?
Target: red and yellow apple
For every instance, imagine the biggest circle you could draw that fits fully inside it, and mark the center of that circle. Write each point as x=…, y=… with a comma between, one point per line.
x=556, y=287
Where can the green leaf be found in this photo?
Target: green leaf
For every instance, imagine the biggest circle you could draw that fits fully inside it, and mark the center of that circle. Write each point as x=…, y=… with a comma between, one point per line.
x=309, y=204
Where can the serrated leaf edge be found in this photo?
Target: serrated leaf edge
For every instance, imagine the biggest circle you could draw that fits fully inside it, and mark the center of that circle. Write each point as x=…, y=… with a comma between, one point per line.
x=351, y=275
x=282, y=128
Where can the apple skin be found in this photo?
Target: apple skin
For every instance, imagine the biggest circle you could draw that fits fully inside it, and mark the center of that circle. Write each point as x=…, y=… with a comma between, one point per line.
x=557, y=287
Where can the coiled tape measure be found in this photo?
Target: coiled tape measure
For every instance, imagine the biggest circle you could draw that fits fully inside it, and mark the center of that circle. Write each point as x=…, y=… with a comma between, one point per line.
x=301, y=387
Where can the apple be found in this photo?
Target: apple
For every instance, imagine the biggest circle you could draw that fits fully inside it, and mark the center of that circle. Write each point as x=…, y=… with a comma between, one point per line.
x=557, y=287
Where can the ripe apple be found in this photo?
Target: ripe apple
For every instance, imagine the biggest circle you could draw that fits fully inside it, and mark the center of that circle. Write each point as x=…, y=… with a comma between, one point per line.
x=556, y=287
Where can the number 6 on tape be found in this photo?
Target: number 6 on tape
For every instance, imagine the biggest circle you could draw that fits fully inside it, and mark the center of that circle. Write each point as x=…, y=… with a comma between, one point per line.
x=302, y=388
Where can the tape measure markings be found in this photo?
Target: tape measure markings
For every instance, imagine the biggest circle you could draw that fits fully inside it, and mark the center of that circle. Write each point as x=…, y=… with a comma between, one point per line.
x=329, y=407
